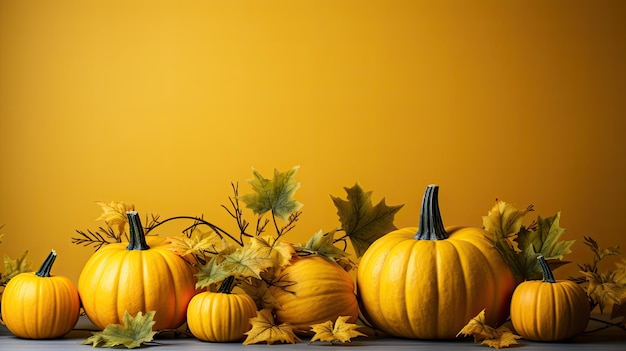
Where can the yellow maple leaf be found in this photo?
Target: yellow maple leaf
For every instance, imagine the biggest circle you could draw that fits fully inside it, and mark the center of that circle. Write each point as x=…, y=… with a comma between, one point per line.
x=506, y=339
x=340, y=331
x=13, y=267
x=492, y=337
x=201, y=245
x=114, y=213
x=478, y=328
x=264, y=329
x=605, y=288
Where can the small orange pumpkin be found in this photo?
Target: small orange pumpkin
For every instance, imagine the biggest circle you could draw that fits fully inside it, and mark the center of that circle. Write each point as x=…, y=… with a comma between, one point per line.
x=220, y=316
x=38, y=305
x=549, y=309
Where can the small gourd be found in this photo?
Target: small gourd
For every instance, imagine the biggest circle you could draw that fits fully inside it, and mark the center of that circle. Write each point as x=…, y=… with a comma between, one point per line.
x=38, y=305
x=143, y=276
x=549, y=309
x=220, y=316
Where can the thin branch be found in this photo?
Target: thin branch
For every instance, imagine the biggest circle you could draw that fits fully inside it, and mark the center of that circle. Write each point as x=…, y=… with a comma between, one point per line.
x=219, y=231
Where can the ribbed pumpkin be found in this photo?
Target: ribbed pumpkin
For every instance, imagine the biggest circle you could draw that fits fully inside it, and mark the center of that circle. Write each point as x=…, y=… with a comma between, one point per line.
x=38, y=305
x=312, y=290
x=549, y=310
x=143, y=276
x=220, y=316
x=428, y=282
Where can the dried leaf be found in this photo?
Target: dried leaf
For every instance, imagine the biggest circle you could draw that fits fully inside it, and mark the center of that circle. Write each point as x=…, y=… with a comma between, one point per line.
x=133, y=333
x=197, y=244
x=14, y=267
x=274, y=195
x=264, y=329
x=260, y=293
x=478, y=328
x=340, y=331
x=506, y=339
x=492, y=337
x=114, y=213
x=363, y=222
x=606, y=288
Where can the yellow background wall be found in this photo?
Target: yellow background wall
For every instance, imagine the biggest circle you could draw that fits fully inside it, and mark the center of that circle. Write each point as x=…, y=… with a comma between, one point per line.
x=164, y=103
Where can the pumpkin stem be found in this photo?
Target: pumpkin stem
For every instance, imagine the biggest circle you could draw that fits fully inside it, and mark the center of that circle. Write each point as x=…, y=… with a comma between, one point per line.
x=548, y=276
x=137, y=239
x=227, y=285
x=46, y=266
x=431, y=226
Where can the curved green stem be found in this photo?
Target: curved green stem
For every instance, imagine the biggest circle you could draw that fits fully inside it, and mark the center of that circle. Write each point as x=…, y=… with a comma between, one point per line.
x=431, y=226
x=227, y=285
x=46, y=266
x=137, y=239
x=548, y=276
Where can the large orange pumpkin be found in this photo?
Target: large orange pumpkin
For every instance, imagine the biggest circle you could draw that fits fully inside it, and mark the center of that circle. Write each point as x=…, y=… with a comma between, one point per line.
x=312, y=290
x=428, y=282
x=38, y=305
x=143, y=276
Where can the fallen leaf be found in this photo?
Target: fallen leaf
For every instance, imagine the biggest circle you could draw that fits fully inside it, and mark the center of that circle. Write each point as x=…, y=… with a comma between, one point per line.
x=264, y=329
x=506, y=339
x=492, y=337
x=133, y=333
x=340, y=331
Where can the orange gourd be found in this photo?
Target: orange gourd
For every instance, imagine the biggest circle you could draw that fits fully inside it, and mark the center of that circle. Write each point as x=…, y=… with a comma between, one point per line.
x=312, y=290
x=549, y=309
x=39, y=305
x=220, y=316
x=428, y=282
x=143, y=276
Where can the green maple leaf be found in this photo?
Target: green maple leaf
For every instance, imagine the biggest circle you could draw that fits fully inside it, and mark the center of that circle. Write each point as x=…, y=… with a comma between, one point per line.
x=322, y=243
x=135, y=331
x=255, y=257
x=545, y=241
x=363, y=222
x=520, y=245
x=275, y=195
x=251, y=260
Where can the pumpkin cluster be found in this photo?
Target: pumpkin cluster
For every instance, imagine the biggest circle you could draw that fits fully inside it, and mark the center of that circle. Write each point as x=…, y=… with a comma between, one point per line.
x=422, y=282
